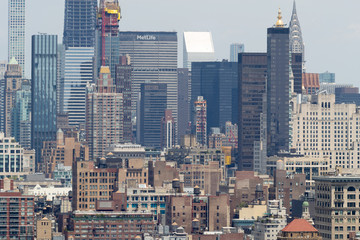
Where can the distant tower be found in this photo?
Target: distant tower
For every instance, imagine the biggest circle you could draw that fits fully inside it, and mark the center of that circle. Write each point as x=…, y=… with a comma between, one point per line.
x=107, y=42
x=16, y=32
x=12, y=84
x=104, y=114
x=235, y=49
x=79, y=23
x=278, y=76
x=168, y=133
x=201, y=120
x=297, y=50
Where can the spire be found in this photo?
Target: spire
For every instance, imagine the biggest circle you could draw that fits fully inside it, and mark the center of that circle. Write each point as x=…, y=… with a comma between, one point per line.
x=294, y=8
x=279, y=22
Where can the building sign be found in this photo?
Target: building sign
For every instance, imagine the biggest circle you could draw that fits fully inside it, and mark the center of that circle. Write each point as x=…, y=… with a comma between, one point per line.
x=146, y=37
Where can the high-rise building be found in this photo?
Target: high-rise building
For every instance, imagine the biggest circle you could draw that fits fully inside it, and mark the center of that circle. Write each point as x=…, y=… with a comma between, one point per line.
x=154, y=59
x=43, y=90
x=330, y=88
x=152, y=108
x=16, y=32
x=310, y=83
x=235, y=49
x=198, y=47
x=201, y=120
x=278, y=86
x=168, y=132
x=347, y=95
x=184, y=94
x=104, y=114
x=327, y=77
x=17, y=215
x=107, y=36
x=21, y=114
x=80, y=23
x=217, y=82
x=13, y=80
x=252, y=98
x=2, y=94
x=78, y=72
x=123, y=81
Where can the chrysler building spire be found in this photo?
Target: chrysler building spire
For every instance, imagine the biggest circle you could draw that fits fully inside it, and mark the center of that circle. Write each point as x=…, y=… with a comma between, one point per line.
x=296, y=41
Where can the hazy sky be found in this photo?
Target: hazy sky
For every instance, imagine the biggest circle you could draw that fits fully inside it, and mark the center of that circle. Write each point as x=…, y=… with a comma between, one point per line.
x=331, y=28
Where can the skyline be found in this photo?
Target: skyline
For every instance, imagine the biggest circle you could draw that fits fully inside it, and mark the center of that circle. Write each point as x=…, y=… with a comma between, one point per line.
x=341, y=33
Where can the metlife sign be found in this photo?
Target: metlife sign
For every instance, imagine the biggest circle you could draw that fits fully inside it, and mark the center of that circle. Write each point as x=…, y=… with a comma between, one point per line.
x=146, y=37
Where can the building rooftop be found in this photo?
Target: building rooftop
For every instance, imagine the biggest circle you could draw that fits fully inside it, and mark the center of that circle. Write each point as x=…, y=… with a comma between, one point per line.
x=299, y=225
x=198, y=42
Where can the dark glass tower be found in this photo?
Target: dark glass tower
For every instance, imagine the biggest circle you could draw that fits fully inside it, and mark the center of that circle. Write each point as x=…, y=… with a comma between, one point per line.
x=217, y=82
x=43, y=90
x=278, y=85
x=152, y=109
x=80, y=23
x=252, y=98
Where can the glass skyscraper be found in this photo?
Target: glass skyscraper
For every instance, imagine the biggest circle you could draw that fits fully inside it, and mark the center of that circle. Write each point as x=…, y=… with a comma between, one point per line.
x=80, y=23
x=235, y=49
x=16, y=34
x=43, y=90
x=78, y=72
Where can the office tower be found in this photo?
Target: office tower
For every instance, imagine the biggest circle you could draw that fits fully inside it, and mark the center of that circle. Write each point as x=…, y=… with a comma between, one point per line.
x=330, y=88
x=198, y=47
x=60, y=77
x=217, y=82
x=184, y=94
x=342, y=191
x=235, y=49
x=43, y=90
x=104, y=114
x=168, y=132
x=2, y=94
x=107, y=36
x=21, y=113
x=16, y=32
x=78, y=72
x=347, y=95
x=152, y=107
x=231, y=135
x=297, y=70
x=12, y=84
x=310, y=83
x=154, y=59
x=278, y=85
x=17, y=215
x=252, y=96
x=123, y=80
x=327, y=77
x=330, y=130
x=13, y=161
x=80, y=23
x=201, y=120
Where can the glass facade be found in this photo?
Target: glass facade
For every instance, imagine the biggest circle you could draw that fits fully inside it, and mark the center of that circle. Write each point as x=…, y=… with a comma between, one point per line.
x=80, y=23
x=43, y=94
x=16, y=32
x=217, y=82
x=78, y=72
x=152, y=109
x=235, y=49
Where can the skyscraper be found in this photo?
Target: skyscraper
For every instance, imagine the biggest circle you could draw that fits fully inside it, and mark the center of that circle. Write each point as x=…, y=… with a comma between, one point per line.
x=107, y=36
x=327, y=77
x=217, y=82
x=78, y=72
x=168, y=133
x=297, y=50
x=13, y=80
x=252, y=98
x=16, y=32
x=235, y=49
x=278, y=86
x=104, y=114
x=201, y=120
x=80, y=23
x=123, y=79
x=198, y=47
x=154, y=59
x=43, y=90
x=2, y=94
x=152, y=109
x=184, y=94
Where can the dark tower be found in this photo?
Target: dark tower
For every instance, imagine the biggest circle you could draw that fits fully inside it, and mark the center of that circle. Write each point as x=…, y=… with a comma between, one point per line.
x=80, y=23
x=278, y=85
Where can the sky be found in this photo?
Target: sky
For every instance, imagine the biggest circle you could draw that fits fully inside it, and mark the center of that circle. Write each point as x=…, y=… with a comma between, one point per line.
x=331, y=28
